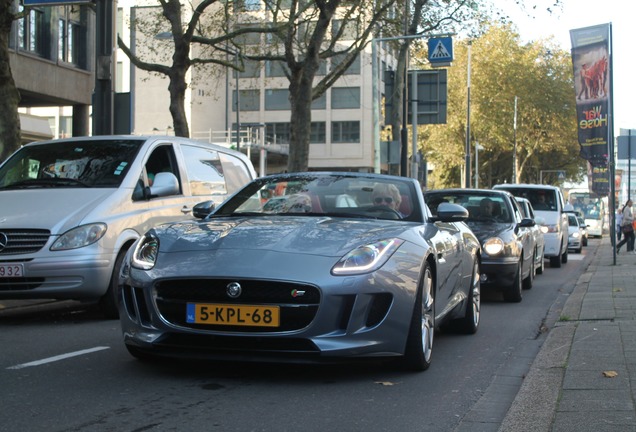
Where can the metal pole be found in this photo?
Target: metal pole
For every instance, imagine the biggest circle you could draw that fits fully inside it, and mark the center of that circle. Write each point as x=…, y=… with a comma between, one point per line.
x=404, y=136
x=514, y=150
x=414, y=125
x=467, y=161
x=629, y=165
x=611, y=202
x=477, y=164
x=238, y=105
x=376, y=107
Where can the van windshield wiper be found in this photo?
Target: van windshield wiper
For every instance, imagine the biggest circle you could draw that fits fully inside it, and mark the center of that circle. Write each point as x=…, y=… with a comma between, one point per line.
x=49, y=182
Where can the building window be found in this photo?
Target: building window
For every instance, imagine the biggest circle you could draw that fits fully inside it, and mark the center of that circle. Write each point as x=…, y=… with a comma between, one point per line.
x=31, y=32
x=247, y=5
x=68, y=44
x=350, y=31
x=249, y=100
x=252, y=70
x=345, y=132
x=65, y=129
x=274, y=69
x=354, y=67
x=345, y=97
x=320, y=103
x=247, y=38
x=318, y=134
x=277, y=133
x=277, y=100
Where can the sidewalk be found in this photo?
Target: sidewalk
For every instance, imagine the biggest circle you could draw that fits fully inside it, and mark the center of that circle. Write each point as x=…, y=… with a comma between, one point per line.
x=582, y=378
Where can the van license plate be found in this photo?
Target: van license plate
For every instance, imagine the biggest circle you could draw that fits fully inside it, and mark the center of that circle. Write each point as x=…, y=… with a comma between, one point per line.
x=234, y=315
x=11, y=270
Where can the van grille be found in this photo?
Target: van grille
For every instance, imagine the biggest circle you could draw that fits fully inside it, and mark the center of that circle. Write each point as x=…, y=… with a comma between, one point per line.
x=22, y=241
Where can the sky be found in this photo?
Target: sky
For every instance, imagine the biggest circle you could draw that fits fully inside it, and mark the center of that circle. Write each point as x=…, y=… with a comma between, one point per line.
x=574, y=14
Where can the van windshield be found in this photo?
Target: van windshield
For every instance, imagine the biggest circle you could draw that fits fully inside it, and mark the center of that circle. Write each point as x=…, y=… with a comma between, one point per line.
x=91, y=163
x=541, y=199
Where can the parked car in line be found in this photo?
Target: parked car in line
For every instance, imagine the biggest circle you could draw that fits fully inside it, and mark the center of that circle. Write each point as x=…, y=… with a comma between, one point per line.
x=575, y=235
x=584, y=230
x=508, y=248
x=548, y=203
x=71, y=208
x=352, y=265
x=526, y=210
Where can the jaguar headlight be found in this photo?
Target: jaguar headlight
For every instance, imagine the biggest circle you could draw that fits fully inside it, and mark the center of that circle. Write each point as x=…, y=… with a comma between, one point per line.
x=146, y=251
x=366, y=258
x=493, y=246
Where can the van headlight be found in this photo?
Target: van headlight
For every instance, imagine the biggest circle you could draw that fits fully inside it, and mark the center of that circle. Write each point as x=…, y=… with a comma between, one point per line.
x=146, y=250
x=79, y=237
x=549, y=229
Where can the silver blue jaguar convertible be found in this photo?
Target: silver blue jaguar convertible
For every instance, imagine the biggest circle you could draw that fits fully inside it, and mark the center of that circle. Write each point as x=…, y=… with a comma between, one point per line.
x=309, y=267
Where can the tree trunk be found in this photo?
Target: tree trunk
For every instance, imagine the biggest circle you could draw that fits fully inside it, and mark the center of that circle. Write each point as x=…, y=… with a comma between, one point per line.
x=9, y=96
x=300, y=88
x=177, y=89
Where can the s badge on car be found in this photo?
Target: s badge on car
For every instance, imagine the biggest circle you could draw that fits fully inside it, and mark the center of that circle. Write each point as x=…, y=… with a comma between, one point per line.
x=233, y=289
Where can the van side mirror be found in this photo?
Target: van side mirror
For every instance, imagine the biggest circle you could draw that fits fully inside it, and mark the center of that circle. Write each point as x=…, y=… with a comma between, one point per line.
x=165, y=183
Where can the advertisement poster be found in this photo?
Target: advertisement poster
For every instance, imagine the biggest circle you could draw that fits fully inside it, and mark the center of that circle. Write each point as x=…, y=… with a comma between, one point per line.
x=591, y=64
x=598, y=180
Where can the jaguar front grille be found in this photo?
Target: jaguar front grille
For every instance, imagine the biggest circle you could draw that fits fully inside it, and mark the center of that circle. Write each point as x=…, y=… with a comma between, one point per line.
x=298, y=302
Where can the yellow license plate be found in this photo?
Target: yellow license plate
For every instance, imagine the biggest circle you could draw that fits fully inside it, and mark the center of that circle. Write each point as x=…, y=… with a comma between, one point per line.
x=235, y=315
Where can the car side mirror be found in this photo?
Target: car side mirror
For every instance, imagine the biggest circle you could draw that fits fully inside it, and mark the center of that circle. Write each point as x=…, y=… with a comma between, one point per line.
x=447, y=212
x=165, y=183
x=527, y=223
x=203, y=209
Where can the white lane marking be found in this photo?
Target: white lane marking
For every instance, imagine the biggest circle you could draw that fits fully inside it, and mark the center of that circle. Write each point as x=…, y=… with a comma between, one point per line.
x=58, y=357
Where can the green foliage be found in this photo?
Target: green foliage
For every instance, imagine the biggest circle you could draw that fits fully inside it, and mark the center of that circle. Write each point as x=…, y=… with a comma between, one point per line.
x=539, y=74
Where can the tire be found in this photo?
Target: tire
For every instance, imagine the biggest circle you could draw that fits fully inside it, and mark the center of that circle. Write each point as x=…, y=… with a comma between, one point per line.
x=529, y=280
x=555, y=261
x=542, y=265
x=109, y=302
x=513, y=293
x=470, y=322
x=419, y=343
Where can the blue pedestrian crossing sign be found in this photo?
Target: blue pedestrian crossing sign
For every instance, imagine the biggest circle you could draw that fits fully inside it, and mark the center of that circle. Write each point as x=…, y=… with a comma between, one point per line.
x=440, y=51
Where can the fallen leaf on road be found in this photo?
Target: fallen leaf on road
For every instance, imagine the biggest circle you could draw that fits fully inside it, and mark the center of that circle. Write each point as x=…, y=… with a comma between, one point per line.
x=385, y=383
x=610, y=374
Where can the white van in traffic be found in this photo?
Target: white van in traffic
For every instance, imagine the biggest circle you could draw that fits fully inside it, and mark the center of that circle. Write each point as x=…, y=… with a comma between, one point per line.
x=548, y=203
x=70, y=208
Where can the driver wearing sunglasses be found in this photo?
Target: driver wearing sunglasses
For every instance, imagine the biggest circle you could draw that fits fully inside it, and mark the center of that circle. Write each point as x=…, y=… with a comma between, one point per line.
x=388, y=195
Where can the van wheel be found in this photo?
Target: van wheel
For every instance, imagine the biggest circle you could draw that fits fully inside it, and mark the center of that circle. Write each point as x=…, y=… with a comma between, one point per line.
x=109, y=303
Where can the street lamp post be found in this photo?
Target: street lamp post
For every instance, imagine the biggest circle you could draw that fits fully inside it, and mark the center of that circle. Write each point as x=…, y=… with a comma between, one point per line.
x=514, y=150
x=467, y=155
x=477, y=148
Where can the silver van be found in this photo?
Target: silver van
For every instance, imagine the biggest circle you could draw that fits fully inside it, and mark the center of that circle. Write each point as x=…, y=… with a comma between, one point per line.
x=548, y=204
x=71, y=208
